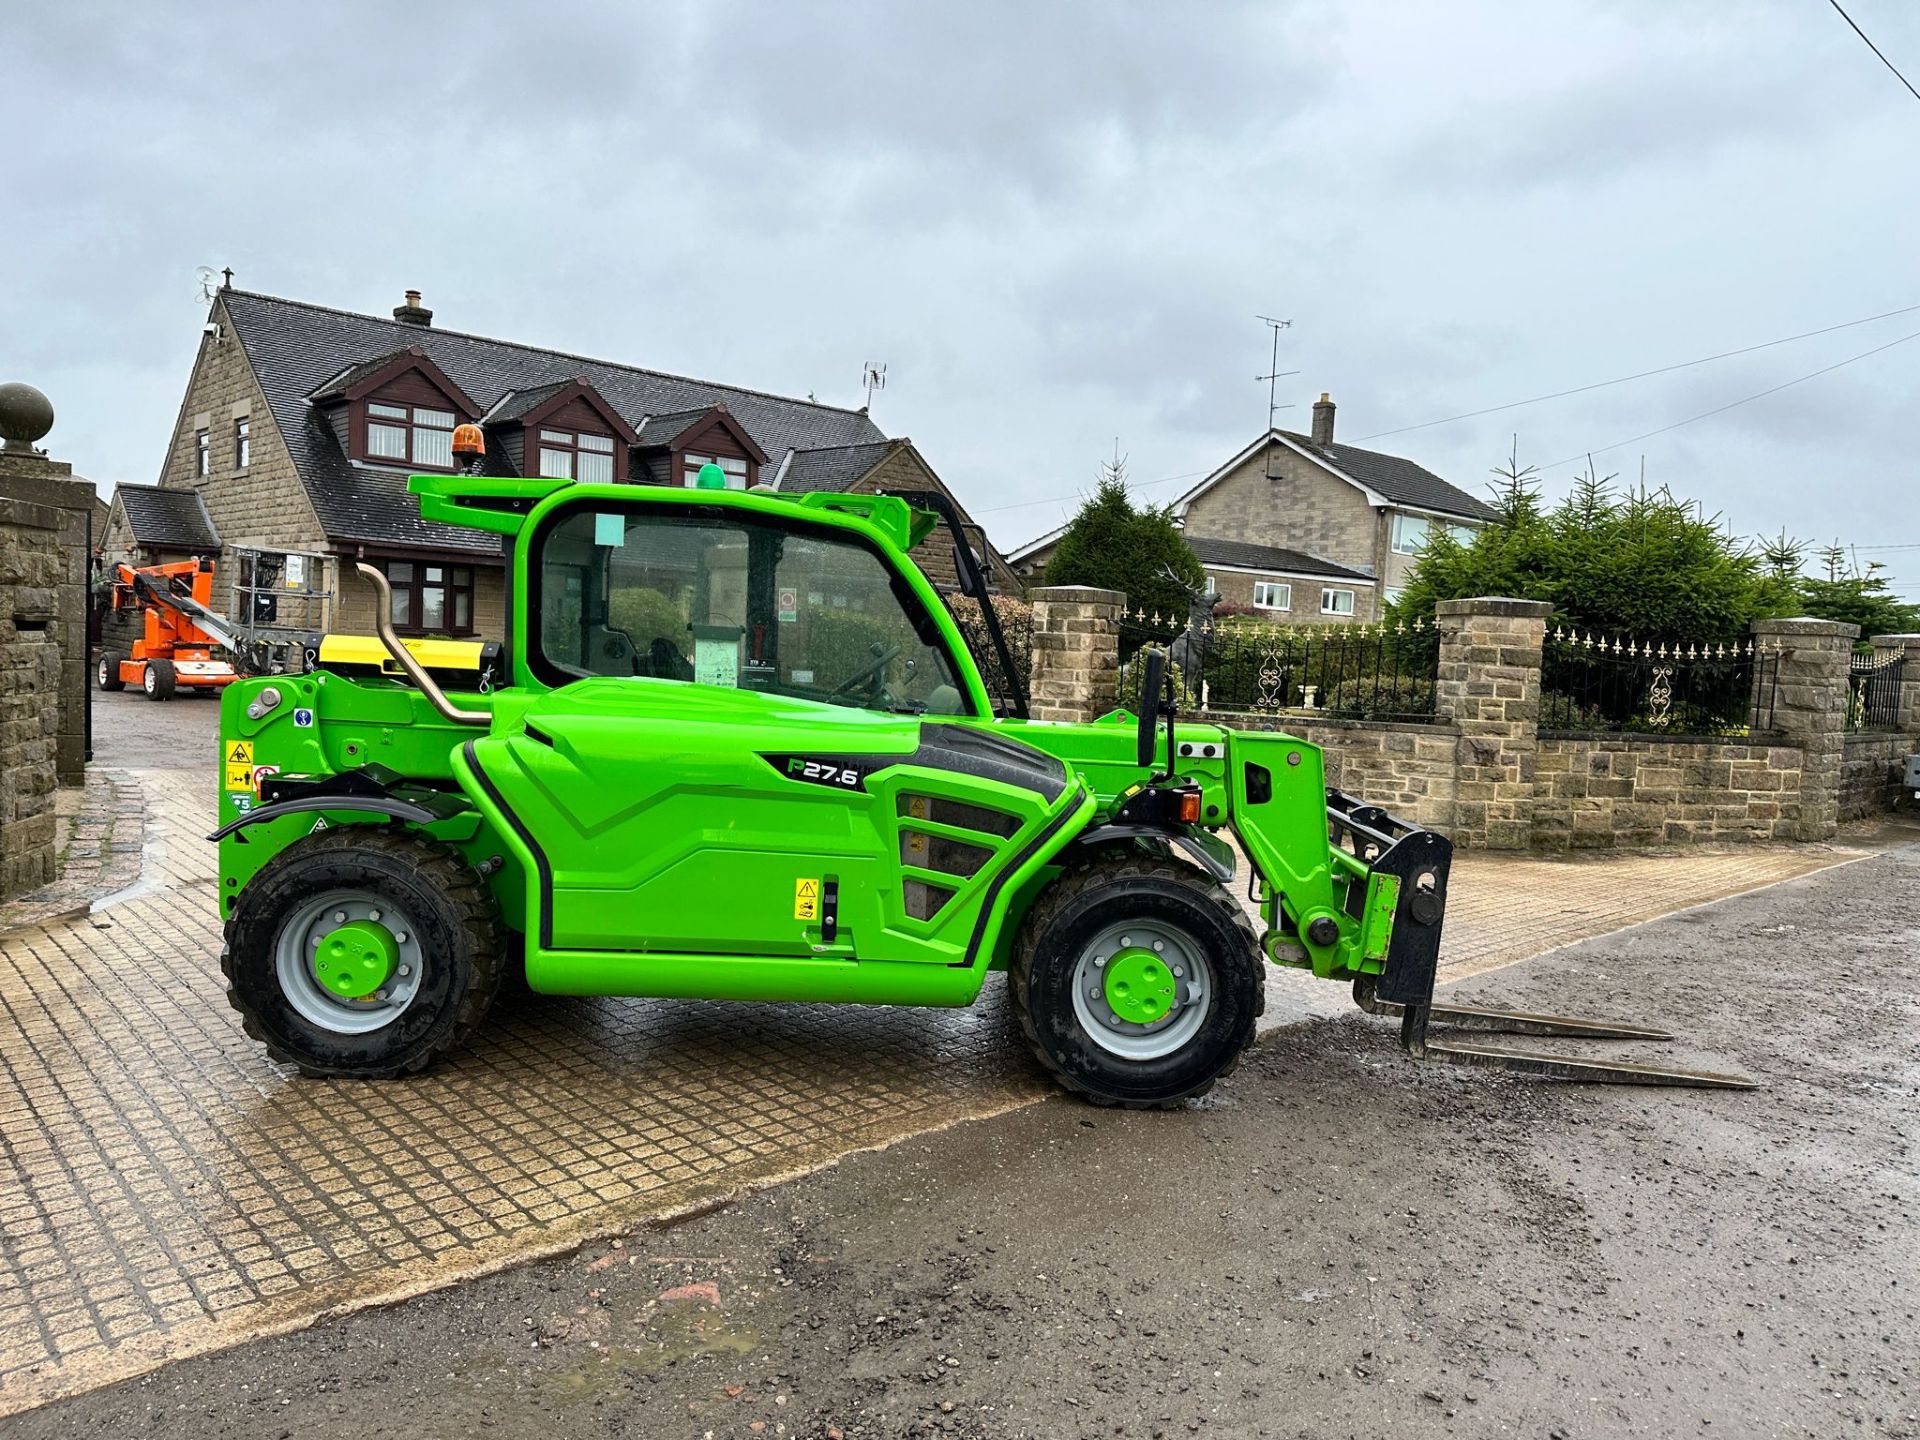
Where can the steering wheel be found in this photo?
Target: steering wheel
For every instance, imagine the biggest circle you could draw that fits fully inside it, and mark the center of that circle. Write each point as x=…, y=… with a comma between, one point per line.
x=869, y=674
x=1151, y=684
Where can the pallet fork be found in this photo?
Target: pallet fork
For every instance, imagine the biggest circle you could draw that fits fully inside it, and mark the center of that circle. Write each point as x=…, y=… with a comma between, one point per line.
x=1405, y=986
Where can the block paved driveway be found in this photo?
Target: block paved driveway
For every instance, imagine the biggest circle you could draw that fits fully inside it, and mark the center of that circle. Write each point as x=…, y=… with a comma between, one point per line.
x=166, y=1191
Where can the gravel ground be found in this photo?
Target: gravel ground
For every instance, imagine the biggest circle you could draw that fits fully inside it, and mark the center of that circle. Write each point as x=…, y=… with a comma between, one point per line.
x=1340, y=1243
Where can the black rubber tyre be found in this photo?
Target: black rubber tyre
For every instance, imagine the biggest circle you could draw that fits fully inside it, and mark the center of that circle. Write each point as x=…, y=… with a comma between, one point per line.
x=107, y=674
x=460, y=937
x=159, y=681
x=1065, y=920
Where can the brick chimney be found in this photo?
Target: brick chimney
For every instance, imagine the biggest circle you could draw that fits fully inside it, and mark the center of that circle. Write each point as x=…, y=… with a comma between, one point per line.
x=1322, y=416
x=411, y=313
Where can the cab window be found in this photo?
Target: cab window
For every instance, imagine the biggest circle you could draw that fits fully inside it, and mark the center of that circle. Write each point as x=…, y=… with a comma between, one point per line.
x=739, y=602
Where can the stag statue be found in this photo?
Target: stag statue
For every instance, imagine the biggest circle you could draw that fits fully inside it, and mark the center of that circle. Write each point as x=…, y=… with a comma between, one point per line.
x=1189, y=647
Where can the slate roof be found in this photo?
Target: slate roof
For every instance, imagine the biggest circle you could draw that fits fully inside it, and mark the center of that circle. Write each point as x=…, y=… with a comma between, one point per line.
x=515, y=403
x=837, y=467
x=665, y=429
x=1249, y=556
x=168, y=519
x=1401, y=481
x=295, y=347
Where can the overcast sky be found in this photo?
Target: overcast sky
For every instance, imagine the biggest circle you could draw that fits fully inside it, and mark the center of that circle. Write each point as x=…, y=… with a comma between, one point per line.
x=1056, y=223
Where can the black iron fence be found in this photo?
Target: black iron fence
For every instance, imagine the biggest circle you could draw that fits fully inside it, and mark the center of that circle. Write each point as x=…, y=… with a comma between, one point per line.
x=1873, y=692
x=1588, y=682
x=1349, y=672
x=1016, y=624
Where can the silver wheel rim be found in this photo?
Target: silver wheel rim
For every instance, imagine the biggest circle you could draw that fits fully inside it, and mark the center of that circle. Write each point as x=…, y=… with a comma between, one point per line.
x=148, y=682
x=1193, y=990
x=300, y=937
x=103, y=670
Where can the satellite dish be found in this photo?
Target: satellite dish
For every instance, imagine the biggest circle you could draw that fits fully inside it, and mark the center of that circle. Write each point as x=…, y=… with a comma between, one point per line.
x=203, y=276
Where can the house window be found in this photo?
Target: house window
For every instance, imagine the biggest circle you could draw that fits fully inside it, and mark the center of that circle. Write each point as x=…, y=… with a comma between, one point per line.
x=690, y=470
x=1409, y=534
x=1272, y=595
x=430, y=599
x=413, y=434
x=1336, y=602
x=202, y=453
x=575, y=455
x=242, y=443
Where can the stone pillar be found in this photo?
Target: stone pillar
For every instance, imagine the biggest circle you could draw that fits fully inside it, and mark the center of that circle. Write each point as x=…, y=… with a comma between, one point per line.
x=30, y=575
x=1810, y=708
x=28, y=476
x=1076, y=651
x=1489, y=682
x=1889, y=647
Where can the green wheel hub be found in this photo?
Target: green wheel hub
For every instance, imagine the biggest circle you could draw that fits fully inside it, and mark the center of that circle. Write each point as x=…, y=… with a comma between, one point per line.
x=356, y=959
x=1139, y=986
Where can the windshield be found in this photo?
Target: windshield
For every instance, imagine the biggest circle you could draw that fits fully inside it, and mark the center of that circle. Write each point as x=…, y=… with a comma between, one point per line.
x=740, y=602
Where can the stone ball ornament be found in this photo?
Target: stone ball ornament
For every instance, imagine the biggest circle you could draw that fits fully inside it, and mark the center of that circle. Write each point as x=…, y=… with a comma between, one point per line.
x=25, y=415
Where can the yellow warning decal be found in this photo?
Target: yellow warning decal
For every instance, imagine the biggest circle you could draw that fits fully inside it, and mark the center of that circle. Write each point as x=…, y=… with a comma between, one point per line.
x=806, y=899
x=240, y=777
x=240, y=753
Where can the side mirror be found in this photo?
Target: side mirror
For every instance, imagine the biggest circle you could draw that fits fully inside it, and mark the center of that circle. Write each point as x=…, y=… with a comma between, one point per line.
x=1151, y=684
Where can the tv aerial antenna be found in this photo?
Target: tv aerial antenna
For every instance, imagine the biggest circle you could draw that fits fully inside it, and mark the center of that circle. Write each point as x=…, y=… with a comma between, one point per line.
x=873, y=377
x=1273, y=377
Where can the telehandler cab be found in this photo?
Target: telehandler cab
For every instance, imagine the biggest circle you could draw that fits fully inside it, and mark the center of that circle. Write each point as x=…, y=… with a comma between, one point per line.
x=741, y=751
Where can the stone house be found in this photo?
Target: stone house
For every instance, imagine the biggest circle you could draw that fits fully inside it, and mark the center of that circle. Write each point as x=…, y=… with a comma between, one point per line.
x=1306, y=530
x=300, y=425
x=1364, y=513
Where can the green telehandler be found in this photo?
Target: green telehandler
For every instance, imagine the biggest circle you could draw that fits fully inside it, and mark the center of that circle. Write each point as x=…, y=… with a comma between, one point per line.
x=735, y=747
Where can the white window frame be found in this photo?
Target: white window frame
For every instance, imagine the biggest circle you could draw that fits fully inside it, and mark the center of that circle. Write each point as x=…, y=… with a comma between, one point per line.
x=1329, y=601
x=563, y=458
x=1398, y=543
x=1285, y=597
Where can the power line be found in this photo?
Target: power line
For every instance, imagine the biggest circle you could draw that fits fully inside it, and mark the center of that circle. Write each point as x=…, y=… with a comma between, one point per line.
x=1645, y=374
x=1876, y=50
x=1735, y=404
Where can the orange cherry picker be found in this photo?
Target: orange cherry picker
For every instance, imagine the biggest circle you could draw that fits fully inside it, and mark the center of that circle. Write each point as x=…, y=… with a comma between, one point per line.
x=182, y=632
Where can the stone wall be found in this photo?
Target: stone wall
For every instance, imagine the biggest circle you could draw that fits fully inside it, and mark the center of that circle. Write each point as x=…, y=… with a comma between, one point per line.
x=1871, y=770
x=1488, y=681
x=1410, y=769
x=32, y=573
x=1597, y=790
x=1484, y=772
x=32, y=479
x=1076, y=651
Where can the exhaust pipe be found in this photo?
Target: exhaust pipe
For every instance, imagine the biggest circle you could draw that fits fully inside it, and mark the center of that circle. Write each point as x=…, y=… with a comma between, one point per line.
x=403, y=657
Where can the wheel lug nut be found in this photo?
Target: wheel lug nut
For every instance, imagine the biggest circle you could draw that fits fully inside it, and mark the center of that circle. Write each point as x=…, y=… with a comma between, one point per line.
x=400, y=938
x=339, y=917
x=1179, y=970
x=373, y=914
x=1159, y=946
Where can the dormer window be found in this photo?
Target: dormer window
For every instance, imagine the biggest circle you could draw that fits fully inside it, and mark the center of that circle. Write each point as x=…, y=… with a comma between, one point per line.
x=736, y=469
x=410, y=434
x=576, y=455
